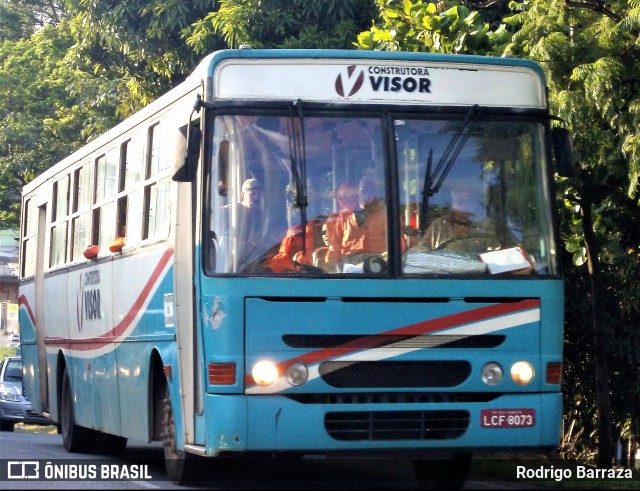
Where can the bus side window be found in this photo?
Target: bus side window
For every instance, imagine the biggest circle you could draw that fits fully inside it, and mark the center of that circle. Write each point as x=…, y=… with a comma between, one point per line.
x=80, y=211
x=59, y=222
x=103, y=215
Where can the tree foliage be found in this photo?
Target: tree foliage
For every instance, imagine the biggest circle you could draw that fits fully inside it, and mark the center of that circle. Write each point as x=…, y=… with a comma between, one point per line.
x=284, y=23
x=19, y=19
x=47, y=110
x=138, y=42
x=428, y=27
x=151, y=45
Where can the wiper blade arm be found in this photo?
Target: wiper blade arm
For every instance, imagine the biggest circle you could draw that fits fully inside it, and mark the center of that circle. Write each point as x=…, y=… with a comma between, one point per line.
x=299, y=165
x=426, y=192
x=455, y=145
x=433, y=182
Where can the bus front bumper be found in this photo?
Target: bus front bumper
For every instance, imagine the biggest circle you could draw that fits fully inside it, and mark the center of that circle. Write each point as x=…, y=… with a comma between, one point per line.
x=275, y=423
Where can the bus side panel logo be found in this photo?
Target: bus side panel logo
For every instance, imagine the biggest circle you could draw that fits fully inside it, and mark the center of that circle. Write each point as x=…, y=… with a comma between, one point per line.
x=88, y=301
x=356, y=84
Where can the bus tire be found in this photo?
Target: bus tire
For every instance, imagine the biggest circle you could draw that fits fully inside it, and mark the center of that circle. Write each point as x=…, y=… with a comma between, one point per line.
x=182, y=467
x=75, y=438
x=443, y=473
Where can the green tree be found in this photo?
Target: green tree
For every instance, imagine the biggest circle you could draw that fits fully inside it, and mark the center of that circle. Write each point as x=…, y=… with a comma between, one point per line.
x=589, y=52
x=284, y=23
x=47, y=110
x=152, y=45
x=19, y=19
x=140, y=43
x=438, y=28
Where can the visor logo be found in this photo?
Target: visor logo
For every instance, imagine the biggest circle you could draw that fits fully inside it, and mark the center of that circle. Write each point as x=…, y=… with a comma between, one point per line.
x=347, y=84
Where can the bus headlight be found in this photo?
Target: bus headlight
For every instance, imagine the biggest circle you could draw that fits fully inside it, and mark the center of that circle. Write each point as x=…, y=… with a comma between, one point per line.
x=297, y=373
x=522, y=372
x=264, y=373
x=492, y=373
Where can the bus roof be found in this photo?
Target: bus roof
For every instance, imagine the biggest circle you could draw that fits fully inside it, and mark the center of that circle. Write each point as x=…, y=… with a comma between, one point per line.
x=217, y=57
x=375, y=77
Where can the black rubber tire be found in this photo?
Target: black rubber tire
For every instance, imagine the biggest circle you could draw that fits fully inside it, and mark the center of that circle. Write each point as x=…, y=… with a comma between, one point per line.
x=182, y=467
x=75, y=438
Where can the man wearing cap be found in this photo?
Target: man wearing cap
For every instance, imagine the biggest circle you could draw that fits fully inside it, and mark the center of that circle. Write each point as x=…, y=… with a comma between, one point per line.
x=251, y=194
x=251, y=217
x=257, y=234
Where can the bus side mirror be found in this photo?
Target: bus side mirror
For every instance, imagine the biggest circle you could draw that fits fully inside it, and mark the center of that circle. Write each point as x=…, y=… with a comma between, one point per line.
x=563, y=152
x=187, y=152
x=223, y=167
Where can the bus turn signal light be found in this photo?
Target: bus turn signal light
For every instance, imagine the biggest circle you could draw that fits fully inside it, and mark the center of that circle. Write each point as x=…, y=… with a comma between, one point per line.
x=554, y=372
x=222, y=373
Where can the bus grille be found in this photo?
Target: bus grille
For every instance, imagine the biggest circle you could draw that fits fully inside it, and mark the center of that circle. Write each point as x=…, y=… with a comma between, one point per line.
x=396, y=425
x=394, y=374
x=392, y=341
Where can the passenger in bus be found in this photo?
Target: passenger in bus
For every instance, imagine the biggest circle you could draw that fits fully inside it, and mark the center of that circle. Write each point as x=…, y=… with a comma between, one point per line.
x=346, y=196
x=283, y=261
x=360, y=230
x=465, y=228
x=292, y=256
x=321, y=253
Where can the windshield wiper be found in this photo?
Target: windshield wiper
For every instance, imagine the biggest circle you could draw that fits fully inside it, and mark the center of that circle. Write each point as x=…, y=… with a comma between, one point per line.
x=433, y=182
x=299, y=165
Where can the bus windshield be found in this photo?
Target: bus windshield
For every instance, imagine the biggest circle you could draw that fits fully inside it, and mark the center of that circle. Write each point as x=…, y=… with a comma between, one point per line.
x=314, y=193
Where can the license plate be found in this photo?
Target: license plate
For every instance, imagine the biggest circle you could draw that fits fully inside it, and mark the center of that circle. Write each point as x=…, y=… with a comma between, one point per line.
x=507, y=418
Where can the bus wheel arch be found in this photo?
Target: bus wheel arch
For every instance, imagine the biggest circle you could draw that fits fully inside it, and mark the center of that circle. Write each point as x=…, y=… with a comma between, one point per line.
x=156, y=385
x=182, y=467
x=61, y=366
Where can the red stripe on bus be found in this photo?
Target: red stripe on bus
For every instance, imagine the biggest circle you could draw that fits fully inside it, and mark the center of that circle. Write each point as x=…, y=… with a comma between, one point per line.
x=111, y=336
x=22, y=300
x=413, y=330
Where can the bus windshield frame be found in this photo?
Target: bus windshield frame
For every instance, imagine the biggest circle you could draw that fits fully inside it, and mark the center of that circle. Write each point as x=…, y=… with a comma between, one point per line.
x=313, y=167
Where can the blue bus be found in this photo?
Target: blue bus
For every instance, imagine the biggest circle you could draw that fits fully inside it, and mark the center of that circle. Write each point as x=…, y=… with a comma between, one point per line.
x=304, y=252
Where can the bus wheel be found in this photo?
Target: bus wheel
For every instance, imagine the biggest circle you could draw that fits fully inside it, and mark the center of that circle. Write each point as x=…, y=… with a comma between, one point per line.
x=74, y=438
x=443, y=473
x=181, y=466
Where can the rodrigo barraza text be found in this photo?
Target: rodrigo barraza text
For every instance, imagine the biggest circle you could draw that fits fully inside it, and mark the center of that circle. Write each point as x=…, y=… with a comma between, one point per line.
x=580, y=472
